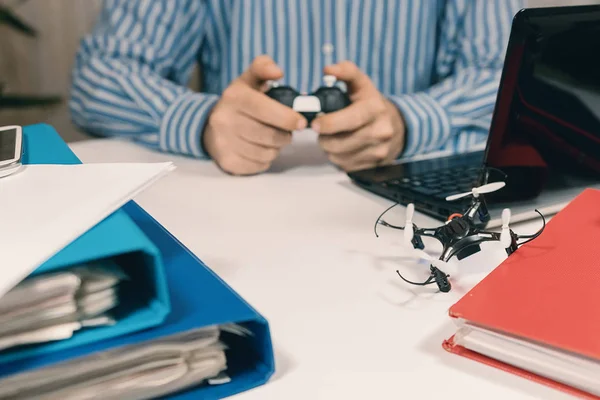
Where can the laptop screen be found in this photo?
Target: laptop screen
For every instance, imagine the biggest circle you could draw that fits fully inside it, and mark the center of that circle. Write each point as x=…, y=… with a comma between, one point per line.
x=546, y=126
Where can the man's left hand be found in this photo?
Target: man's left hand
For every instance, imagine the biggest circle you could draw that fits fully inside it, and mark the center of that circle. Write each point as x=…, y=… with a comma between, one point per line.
x=370, y=132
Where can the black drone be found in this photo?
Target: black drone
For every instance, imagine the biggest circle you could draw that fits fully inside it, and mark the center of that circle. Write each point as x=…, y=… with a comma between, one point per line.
x=460, y=236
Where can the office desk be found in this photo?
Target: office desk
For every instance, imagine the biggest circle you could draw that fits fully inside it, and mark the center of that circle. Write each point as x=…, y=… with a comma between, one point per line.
x=298, y=244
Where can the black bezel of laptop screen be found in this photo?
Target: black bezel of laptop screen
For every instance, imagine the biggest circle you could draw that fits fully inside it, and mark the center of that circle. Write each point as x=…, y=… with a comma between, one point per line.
x=529, y=26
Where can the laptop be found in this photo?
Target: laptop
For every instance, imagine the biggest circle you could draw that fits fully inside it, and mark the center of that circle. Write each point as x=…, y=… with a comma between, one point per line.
x=544, y=140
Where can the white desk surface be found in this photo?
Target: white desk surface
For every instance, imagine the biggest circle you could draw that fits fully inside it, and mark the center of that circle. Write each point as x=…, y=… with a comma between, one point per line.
x=298, y=244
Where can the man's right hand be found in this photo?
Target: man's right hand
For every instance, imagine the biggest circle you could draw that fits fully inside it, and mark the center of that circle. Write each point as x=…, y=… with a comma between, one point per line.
x=247, y=129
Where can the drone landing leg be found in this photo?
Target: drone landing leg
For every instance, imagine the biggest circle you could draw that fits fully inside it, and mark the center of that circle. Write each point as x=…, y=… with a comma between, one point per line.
x=417, y=242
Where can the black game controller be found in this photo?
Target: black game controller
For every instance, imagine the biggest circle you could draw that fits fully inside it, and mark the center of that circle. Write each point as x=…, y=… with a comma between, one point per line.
x=326, y=99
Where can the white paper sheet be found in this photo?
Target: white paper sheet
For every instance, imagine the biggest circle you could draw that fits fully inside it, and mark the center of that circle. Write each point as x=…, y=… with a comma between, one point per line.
x=43, y=208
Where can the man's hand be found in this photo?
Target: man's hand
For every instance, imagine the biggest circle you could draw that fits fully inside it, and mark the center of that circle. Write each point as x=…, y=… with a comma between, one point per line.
x=247, y=129
x=369, y=132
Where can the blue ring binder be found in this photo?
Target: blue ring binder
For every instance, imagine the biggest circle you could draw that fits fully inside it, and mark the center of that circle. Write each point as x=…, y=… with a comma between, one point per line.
x=182, y=292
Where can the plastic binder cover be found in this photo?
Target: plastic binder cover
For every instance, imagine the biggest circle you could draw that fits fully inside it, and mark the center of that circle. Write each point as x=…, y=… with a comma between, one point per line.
x=198, y=296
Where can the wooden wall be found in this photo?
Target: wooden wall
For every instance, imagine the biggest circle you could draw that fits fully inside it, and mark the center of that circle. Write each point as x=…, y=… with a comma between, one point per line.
x=43, y=65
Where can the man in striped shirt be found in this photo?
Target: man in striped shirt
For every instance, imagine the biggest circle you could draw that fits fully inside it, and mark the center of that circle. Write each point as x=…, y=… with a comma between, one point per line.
x=422, y=76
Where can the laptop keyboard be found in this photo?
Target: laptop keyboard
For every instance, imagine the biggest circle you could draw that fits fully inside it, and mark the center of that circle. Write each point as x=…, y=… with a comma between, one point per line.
x=440, y=183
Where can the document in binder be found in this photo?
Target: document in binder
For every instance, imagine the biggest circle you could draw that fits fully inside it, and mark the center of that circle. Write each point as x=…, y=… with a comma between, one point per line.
x=535, y=314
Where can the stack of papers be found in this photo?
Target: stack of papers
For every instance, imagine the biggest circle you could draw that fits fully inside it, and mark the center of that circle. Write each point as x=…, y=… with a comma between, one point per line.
x=139, y=371
x=53, y=306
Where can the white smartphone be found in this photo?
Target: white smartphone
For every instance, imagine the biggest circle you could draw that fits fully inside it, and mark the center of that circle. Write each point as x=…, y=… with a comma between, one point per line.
x=11, y=149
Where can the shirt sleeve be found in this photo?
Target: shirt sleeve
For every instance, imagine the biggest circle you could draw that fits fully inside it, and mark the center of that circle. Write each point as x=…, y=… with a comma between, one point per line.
x=454, y=114
x=131, y=73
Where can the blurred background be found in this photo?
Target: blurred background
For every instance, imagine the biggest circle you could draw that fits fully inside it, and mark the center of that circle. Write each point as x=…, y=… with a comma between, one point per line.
x=40, y=65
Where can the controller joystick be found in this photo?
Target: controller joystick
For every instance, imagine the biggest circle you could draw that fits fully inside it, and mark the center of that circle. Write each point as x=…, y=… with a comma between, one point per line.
x=326, y=99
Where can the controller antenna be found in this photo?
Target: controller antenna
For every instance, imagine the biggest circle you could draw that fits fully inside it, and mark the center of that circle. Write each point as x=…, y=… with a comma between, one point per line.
x=328, y=52
x=328, y=80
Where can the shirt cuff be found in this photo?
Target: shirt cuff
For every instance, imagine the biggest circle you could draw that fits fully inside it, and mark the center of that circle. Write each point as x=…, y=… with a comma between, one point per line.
x=183, y=124
x=427, y=123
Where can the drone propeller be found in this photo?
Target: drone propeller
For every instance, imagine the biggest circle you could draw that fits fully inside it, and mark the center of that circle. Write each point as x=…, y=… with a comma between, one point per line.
x=409, y=231
x=488, y=188
x=505, y=237
x=436, y=262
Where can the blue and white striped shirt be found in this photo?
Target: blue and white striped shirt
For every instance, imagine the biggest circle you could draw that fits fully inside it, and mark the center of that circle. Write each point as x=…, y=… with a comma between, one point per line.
x=439, y=61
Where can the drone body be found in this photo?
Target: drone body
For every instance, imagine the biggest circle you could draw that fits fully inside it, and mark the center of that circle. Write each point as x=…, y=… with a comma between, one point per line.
x=460, y=236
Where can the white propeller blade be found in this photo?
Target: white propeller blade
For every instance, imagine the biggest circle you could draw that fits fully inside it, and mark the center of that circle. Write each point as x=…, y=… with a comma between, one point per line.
x=488, y=188
x=448, y=267
x=408, y=224
x=505, y=238
x=457, y=196
x=410, y=211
